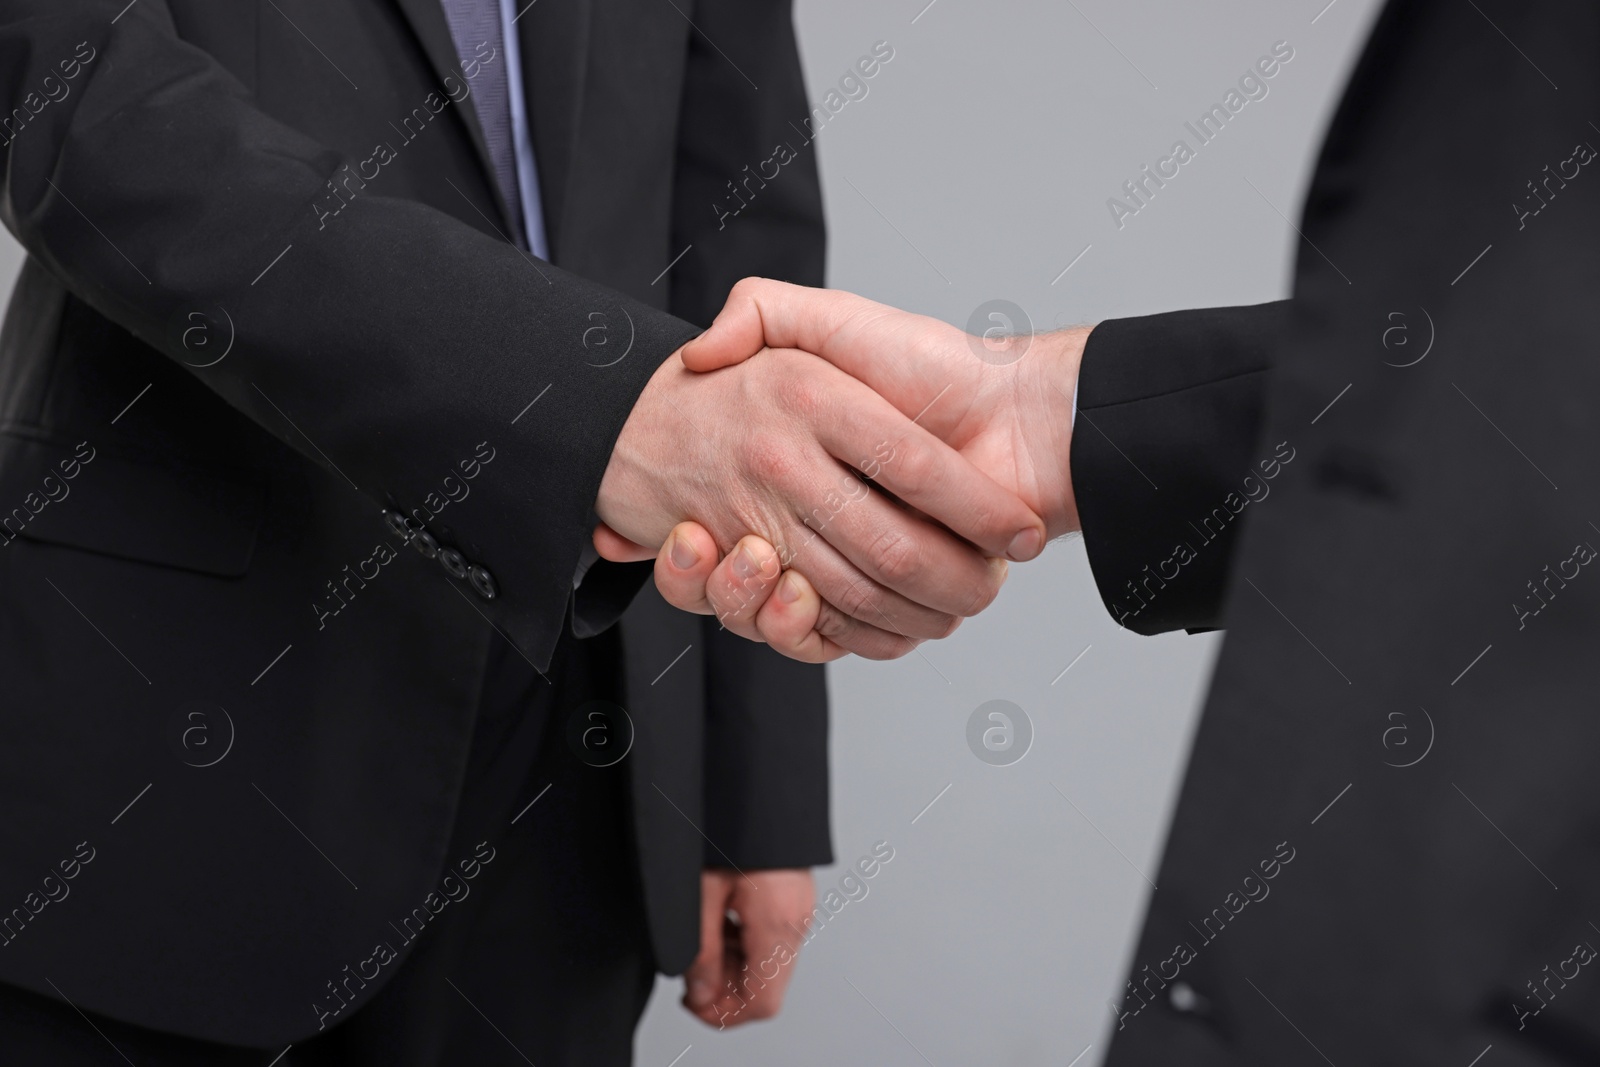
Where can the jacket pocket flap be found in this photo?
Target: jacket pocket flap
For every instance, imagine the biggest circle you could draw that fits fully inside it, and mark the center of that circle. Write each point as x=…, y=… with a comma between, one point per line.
x=130, y=508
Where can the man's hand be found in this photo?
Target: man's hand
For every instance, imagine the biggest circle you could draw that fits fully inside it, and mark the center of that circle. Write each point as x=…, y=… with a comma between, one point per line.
x=779, y=447
x=751, y=926
x=1003, y=403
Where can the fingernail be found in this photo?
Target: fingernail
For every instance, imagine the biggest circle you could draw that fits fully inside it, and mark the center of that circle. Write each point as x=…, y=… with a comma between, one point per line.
x=744, y=564
x=699, y=992
x=789, y=588
x=1001, y=568
x=684, y=557
x=1025, y=545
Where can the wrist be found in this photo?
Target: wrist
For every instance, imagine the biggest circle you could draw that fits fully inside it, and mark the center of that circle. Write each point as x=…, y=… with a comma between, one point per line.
x=1063, y=359
x=628, y=499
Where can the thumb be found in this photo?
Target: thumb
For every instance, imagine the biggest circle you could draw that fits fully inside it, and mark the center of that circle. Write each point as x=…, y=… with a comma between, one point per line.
x=703, y=978
x=735, y=335
x=853, y=333
x=687, y=561
x=701, y=982
x=614, y=547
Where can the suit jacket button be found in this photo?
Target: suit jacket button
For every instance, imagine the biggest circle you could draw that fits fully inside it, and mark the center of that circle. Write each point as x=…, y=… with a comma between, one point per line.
x=423, y=542
x=398, y=523
x=454, y=564
x=482, y=582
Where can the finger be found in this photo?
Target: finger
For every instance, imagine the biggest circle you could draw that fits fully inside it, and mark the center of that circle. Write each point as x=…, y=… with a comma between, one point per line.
x=703, y=979
x=697, y=980
x=618, y=549
x=881, y=345
x=835, y=628
x=742, y=583
x=762, y=955
x=738, y=995
x=760, y=312
x=903, y=552
x=837, y=577
x=683, y=565
x=788, y=622
x=770, y=950
x=876, y=622
x=739, y=592
x=930, y=476
x=858, y=614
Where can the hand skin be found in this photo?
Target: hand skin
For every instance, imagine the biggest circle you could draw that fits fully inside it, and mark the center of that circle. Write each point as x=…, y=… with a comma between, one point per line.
x=771, y=447
x=747, y=606
x=1008, y=411
x=744, y=966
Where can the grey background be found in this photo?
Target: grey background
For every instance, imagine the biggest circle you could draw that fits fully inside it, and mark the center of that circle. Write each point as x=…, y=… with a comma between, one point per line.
x=978, y=166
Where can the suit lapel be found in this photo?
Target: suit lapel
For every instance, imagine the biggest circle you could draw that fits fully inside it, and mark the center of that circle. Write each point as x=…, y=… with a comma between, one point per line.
x=433, y=33
x=554, y=39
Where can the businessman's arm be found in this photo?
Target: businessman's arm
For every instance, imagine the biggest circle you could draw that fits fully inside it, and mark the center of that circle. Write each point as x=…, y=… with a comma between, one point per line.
x=386, y=344
x=393, y=338
x=1166, y=457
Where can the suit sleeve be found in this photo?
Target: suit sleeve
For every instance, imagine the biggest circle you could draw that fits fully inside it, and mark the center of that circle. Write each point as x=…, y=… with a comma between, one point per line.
x=1168, y=421
x=385, y=344
x=766, y=768
x=766, y=785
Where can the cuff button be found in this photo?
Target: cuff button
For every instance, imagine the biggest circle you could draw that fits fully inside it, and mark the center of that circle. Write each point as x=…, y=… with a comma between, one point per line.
x=482, y=582
x=423, y=542
x=454, y=564
x=397, y=522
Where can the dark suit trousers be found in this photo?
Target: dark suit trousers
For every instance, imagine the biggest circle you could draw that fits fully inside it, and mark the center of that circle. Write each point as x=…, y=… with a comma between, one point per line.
x=544, y=960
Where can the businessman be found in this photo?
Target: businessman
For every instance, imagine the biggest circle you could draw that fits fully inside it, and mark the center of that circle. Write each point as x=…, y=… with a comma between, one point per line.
x=340, y=327
x=1385, y=490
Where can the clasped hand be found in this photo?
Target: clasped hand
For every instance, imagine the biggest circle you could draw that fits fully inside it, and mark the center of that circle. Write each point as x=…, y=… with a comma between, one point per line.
x=831, y=475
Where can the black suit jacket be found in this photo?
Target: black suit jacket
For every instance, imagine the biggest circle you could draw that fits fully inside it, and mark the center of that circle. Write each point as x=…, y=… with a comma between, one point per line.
x=1386, y=490
x=270, y=332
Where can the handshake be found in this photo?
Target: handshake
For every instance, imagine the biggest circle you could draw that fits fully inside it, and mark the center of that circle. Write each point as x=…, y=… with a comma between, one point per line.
x=830, y=475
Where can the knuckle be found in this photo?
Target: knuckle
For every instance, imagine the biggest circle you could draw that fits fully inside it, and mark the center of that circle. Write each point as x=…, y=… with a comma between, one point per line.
x=768, y=458
x=834, y=625
x=924, y=624
x=738, y=618
x=888, y=647
x=727, y=595
x=864, y=640
x=896, y=556
x=797, y=389
x=738, y=607
x=987, y=523
x=913, y=469
x=983, y=594
x=728, y=607
x=860, y=599
x=979, y=601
